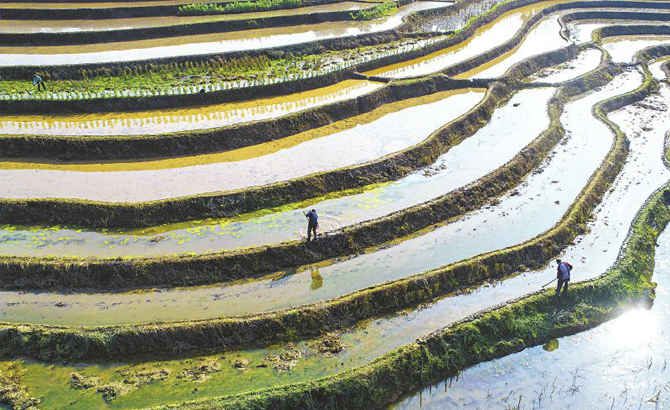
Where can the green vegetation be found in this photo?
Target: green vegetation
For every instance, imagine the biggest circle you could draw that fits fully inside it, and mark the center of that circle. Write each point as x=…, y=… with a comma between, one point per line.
x=191, y=76
x=481, y=16
x=12, y=392
x=238, y=7
x=169, y=76
x=382, y=10
x=364, y=304
x=531, y=321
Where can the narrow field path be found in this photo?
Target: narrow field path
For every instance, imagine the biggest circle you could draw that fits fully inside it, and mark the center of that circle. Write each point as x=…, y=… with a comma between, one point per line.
x=532, y=209
x=154, y=122
x=337, y=148
x=485, y=151
x=70, y=26
x=643, y=173
x=202, y=44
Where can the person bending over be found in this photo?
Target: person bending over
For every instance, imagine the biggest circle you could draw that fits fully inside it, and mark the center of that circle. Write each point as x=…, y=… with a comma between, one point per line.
x=563, y=275
x=312, y=224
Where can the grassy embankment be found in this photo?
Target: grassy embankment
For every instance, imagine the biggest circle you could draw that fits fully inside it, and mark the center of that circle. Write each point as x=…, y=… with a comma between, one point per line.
x=237, y=7
x=385, y=9
x=200, y=74
x=526, y=322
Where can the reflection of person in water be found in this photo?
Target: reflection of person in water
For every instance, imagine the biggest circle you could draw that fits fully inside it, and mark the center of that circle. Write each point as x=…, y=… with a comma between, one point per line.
x=317, y=280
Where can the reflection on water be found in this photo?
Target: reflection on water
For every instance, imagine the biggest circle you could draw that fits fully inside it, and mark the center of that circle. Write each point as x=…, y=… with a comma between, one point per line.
x=551, y=345
x=457, y=21
x=586, y=61
x=484, y=38
x=621, y=364
x=317, y=279
x=528, y=211
x=656, y=68
x=182, y=119
x=490, y=148
x=346, y=143
x=525, y=375
x=61, y=26
x=623, y=49
x=543, y=37
x=360, y=123
x=204, y=44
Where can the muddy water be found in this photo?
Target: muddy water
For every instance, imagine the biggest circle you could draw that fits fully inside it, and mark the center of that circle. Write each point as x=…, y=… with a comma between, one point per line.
x=586, y=61
x=62, y=26
x=353, y=145
x=544, y=36
x=203, y=44
x=623, y=49
x=182, y=119
x=533, y=208
x=642, y=174
x=486, y=150
x=621, y=364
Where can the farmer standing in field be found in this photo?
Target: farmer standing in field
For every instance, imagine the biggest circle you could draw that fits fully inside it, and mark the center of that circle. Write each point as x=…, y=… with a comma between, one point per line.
x=563, y=275
x=312, y=224
x=39, y=82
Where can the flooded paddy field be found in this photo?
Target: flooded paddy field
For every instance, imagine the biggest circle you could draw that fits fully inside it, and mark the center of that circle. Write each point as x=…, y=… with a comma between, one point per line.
x=487, y=37
x=377, y=337
x=436, y=292
x=461, y=165
x=64, y=26
x=357, y=140
x=203, y=44
x=186, y=119
x=97, y=4
x=629, y=368
x=476, y=233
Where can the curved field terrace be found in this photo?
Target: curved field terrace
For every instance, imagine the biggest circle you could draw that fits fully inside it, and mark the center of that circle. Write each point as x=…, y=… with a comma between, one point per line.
x=158, y=160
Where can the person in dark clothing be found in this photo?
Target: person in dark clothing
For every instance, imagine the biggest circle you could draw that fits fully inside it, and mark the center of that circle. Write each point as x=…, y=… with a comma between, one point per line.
x=312, y=224
x=39, y=82
x=563, y=275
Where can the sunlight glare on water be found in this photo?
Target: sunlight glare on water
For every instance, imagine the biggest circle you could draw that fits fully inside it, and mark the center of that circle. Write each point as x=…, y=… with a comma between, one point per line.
x=633, y=329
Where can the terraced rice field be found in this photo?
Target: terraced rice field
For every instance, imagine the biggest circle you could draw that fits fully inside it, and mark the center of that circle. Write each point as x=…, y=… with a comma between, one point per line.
x=153, y=248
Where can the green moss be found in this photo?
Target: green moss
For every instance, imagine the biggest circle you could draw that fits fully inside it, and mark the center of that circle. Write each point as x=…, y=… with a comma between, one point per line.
x=530, y=321
x=385, y=9
x=56, y=343
x=13, y=393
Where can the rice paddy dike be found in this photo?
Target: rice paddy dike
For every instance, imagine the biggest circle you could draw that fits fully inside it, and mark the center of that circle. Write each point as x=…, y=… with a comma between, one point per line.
x=152, y=236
